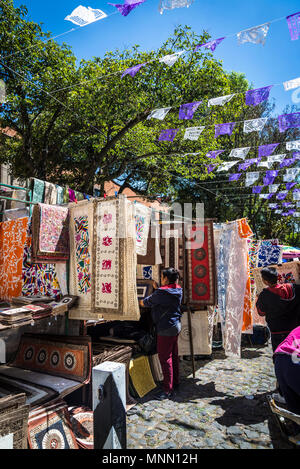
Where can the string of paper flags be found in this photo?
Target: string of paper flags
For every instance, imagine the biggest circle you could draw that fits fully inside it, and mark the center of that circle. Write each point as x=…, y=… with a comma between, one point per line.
x=256, y=35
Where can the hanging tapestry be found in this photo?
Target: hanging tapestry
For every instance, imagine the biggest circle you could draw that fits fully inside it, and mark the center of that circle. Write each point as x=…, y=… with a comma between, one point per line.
x=81, y=262
x=153, y=256
x=148, y=272
x=201, y=286
x=49, y=427
x=82, y=421
x=50, y=233
x=38, y=279
x=60, y=195
x=114, y=273
x=38, y=191
x=268, y=255
x=247, y=327
x=142, y=224
x=173, y=249
x=193, y=133
x=50, y=193
x=287, y=273
x=12, y=241
x=202, y=341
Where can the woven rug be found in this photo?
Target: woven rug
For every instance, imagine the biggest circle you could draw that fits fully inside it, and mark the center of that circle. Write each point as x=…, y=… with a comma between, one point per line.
x=287, y=273
x=13, y=422
x=64, y=356
x=12, y=241
x=201, y=287
x=49, y=427
x=82, y=422
x=141, y=376
x=50, y=233
x=202, y=339
x=144, y=288
x=156, y=368
x=35, y=394
x=81, y=260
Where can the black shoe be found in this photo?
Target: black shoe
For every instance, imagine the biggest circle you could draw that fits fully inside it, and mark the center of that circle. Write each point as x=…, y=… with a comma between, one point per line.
x=176, y=386
x=162, y=396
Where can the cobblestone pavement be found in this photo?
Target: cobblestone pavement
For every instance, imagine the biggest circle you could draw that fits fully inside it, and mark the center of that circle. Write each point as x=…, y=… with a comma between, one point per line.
x=224, y=407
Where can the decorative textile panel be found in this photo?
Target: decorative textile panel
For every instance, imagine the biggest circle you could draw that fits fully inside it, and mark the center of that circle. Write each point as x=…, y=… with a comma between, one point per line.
x=148, y=272
x=55, y=356
x=82, y=421
x=49, y=427
x=141, y=376
x=115, y=260
x=142, y=224
x=269, y=254
x=38, y=190
x=153, y=256
x=247, y=327
x=50, y=196
x=12, y=241
x=202, y=338
x=287, y=273
x=40, y=279
x=81, y=261
x=201, y=266
x=50, y=230
x=172, y=246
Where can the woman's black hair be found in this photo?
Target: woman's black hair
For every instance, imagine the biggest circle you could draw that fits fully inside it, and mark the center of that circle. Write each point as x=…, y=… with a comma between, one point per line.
x=171, y=274
x=270, y=274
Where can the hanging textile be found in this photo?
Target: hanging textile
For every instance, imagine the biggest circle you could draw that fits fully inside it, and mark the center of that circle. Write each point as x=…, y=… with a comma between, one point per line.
x=171, y=59
x=193, y=133
x=288, y=121
x=296, y=194
x=274, y=188
x=256, y=35
x=290, y=185
x=210, y=168
x=128, y=6
x=269, y=254
x=255, y=97
x=234, y=177
x=21, y=195
x=50, y=193
x=276, y=158
x=170, y=4
x=287, y=162
x=220, y=101
x=81, y=260
x=287, y=273
x=247, y=163
x=172, y=246
x=50, y=233
x=253, y=260
x=38, y=191
x=239, y=152
x=294, y=25
x=60, y=195
x=114, y=289
x=254, y=125
x=224, y=129
x=201, y=265
x=83, y=16
x=159, y=113
x=257, y=189
x=152, y=256
x=12, y=242
x=201, y=333
x=247, y=326
x=264, y=164
x=266, y=150
x=148, y=272
x=40, y=279
x=142, y=225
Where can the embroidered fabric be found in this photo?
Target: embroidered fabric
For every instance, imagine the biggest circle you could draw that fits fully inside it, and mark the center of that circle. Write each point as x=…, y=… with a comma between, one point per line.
x=142, y=225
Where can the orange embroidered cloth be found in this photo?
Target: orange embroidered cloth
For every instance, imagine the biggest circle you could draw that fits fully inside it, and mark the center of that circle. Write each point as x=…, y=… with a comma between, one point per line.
x=245, y=232
x=12, y=240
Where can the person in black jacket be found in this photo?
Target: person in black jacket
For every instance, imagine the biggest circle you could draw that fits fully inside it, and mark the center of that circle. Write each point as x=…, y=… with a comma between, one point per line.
x=280, y=304
x=166, y=314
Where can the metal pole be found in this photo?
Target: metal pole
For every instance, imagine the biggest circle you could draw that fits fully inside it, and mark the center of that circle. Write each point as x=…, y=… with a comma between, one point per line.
x=189, y=313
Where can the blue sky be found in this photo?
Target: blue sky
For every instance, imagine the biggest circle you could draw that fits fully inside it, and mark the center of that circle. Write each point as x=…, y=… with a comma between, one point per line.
x=273, y=63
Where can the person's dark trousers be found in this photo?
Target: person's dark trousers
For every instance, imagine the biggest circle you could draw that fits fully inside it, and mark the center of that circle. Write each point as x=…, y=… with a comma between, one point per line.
x=288, y=376
x=167, y=349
